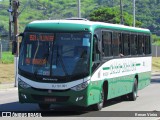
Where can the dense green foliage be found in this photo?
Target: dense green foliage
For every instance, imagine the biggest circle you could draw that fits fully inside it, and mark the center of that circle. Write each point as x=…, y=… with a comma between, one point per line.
x=156, y=39
x=147, y=11
x=112, y=15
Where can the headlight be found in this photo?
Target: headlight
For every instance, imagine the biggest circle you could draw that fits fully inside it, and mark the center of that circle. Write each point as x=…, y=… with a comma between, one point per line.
x=80, y=86
x=23, y=84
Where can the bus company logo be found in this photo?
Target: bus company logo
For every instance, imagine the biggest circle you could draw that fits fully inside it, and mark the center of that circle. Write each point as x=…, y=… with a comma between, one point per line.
x=50, y=79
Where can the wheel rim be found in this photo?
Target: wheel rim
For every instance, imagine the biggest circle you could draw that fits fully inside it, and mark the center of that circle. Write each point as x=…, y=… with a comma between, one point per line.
x=102, y=99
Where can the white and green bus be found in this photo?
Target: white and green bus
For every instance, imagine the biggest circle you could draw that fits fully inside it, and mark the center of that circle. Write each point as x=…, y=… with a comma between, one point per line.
x=82, y=63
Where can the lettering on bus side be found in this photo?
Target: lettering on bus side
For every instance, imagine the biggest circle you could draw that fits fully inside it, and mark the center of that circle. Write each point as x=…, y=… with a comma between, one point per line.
x=129, y=66
x=122, y=67
x=117, y=68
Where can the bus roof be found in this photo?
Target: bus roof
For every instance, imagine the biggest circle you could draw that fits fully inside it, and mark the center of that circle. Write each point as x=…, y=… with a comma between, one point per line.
x=77, y=25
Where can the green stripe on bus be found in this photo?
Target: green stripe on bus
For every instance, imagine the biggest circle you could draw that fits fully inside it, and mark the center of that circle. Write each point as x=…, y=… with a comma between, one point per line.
x=138, y=64
x=106, y=68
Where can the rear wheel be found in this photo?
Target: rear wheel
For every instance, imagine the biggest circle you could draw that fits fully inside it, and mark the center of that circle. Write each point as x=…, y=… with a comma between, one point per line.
x=44, y=106
x=133, y=95
x=99, y=105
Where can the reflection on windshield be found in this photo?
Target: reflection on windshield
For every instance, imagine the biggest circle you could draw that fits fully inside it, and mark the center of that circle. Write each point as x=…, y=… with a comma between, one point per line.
x=67, y=54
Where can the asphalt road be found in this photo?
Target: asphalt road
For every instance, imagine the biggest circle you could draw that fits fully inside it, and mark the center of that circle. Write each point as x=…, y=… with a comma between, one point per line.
x=148, y=100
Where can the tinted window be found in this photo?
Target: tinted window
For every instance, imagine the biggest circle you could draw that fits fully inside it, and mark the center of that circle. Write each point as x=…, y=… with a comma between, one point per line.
x=107, y=43
x=140, y=44
x=126, y=44
x=96, y=55
x=59, y=54
x=147, y=45
x=133, y=44
x=115, y=44
x=120, y=44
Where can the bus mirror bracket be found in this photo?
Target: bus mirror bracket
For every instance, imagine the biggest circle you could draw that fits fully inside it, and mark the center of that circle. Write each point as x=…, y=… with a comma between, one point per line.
x=20, y=35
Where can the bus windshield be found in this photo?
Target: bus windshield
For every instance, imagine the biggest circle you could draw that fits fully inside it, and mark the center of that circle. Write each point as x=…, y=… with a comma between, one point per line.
x=55, y=54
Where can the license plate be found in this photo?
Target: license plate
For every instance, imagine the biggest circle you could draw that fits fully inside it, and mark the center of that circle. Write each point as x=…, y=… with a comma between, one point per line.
x=50, y=100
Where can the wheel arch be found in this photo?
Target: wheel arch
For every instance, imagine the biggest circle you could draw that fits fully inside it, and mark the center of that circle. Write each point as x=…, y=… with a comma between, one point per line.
x=137, y=78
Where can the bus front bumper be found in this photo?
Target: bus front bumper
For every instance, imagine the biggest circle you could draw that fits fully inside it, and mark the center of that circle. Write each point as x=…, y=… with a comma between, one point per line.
x=42, y=96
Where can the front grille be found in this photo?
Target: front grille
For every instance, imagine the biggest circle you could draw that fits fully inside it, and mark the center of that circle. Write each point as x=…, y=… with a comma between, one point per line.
x=46, y=90
x=44, y=98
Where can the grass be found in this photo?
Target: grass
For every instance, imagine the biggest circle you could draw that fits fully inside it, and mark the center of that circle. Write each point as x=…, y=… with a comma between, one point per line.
x=7, y=58
x=6, y=73
x=7, y=68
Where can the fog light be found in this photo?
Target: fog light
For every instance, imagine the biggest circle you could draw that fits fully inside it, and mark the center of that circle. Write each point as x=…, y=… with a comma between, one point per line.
x=79, y=98
x=76, y=99
x=24, y=96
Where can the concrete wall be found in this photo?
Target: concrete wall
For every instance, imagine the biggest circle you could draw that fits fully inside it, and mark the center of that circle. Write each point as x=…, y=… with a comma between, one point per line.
x=155, y=51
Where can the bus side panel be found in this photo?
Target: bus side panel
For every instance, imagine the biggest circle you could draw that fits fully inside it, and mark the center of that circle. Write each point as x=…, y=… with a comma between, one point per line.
x=144, y=79
x=120, y=86
x=121, y=73
x=94, y=92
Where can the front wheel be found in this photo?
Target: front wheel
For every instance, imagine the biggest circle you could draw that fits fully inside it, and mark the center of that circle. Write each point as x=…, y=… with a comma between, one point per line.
x=99, y=105
x=44, y=106
x=133, y=95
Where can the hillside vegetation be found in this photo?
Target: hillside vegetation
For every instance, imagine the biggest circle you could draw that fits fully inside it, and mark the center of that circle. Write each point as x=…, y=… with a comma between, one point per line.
x=147, y=11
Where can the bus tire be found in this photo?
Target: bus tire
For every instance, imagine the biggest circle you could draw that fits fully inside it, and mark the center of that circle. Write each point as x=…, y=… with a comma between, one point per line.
x=99, y=105
x=133, y=95
x=44, y=106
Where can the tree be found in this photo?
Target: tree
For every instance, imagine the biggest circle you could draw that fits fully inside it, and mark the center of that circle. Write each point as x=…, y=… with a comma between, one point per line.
x=112, y=15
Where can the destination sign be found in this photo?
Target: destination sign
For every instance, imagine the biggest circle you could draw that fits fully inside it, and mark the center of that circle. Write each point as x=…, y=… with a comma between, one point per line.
x=36, y=61
x=41, y=37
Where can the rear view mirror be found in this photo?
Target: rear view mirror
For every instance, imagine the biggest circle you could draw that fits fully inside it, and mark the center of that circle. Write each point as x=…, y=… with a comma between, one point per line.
x=21, y=34
x=14, y=44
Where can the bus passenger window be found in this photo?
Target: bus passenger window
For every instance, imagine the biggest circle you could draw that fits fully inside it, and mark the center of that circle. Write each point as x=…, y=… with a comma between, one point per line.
x=140, y=45
x=115, y=44
x=133, y=44
x=96, y=55
x=120, y=45
x=147, y=45
x=107, y=43
x=126, y=44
